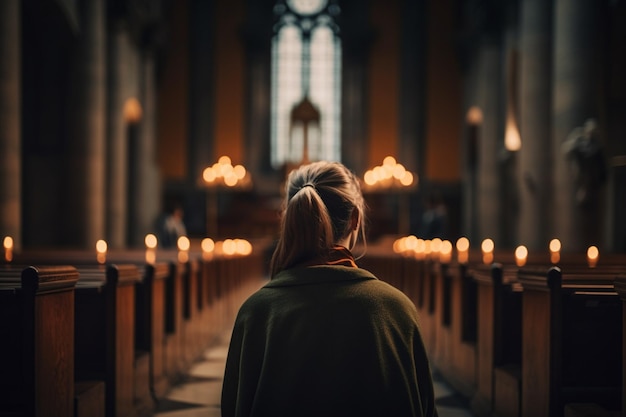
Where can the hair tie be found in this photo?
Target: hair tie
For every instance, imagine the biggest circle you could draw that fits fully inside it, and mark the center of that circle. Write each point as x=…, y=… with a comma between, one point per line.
x=308, y=184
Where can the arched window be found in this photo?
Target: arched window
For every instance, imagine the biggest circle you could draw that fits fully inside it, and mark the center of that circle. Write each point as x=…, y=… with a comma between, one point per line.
x=306, y=68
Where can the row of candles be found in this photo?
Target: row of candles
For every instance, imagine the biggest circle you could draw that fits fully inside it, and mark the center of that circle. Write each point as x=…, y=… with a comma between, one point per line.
x=209, y=248
x=442, y=250
x=388, y=175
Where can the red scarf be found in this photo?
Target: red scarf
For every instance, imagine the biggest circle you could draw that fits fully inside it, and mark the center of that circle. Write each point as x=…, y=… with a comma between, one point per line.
x=339, y=255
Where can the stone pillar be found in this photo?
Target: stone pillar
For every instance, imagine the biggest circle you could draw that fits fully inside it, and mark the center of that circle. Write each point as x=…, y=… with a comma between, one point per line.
x=576, y=66
x=117, y=147
x=10, y=132
x=201, y=91
x=489, y=142
x=412, y=93
x=258, y=41
x=86, y=160
x=534, y=177
x=356, y=37
x=145, y=181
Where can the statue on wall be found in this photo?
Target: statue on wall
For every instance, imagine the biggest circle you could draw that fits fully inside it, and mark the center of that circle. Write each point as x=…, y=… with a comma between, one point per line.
x=586, y=155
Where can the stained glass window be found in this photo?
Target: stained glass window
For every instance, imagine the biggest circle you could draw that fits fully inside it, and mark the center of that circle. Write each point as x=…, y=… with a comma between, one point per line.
x=306, y=61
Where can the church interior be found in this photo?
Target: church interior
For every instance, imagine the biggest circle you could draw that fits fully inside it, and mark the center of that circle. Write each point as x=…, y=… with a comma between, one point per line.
x=489, y=137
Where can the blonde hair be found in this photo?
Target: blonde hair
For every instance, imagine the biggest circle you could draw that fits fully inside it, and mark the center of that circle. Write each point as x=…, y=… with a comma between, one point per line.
x=321, y=200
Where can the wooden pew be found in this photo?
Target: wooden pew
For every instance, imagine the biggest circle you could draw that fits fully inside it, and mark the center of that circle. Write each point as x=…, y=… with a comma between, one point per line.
x=105, y=332
x=143, y=361
x=37, y=329
x=150, y=330
x=498, y=346
x=174, y=368
x=571, y=339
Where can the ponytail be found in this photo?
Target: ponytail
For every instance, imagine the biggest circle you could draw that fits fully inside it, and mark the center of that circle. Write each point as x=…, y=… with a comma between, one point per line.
x=320, y=204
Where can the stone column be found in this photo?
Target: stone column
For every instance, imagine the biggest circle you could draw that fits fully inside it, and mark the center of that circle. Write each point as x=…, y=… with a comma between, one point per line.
x=576, y=66
x=117, y=147
x=489, y=142
x=412, y=93
x=534, y=177
x=146, y=182
x=86, y=160
x=10, y=132
x=356, y=38
x=201, y=91
x=258, y=40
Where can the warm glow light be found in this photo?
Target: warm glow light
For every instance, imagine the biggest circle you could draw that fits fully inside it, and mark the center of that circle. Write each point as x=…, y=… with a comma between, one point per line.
x=224, y=160
x=8, y=248
x=592, y=256
x=229, y=247
x=399, y=171
x=183, y=256
x=407, y=179
x=445, y=254
x=411, y=242
x=243, y=247
x=132, y=110
x=396, y=246
x=435, y=245
x=101, y=246
x=183, y=243
x=474, y=115
x=208, y=245
x=462, y=244
x=487, y=246
x=420, y=248
x=427, y=247
x=487, y=258
x=150, y=256
x=401, y=245
x=521, y=254
x=230, y=180
x=389, y=161
x=512, y=139
x=555, y=245
x=150, y=241
x=555, y=257
x=240, y=171
x=390, y=174
x=209, y=174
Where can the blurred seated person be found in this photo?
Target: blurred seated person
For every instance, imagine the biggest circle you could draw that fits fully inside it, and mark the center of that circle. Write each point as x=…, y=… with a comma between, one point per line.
x=172, y=227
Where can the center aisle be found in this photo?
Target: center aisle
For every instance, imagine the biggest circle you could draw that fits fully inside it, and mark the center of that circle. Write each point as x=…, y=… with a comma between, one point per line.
x=199, y=394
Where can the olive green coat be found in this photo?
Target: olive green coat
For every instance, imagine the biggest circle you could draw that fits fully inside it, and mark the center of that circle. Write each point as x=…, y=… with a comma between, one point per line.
x=327, y=341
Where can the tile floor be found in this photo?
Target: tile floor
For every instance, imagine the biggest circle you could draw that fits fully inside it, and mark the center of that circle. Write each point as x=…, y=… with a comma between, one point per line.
x=199, y=395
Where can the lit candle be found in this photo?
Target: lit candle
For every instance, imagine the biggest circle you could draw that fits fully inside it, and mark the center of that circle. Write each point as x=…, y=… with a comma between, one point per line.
x=8, y=248
x=207, y=245
x=592, y=256
x=101, y=251
x=244, y=247
x=435, y=248
x=445, y=253
x=555, y=251
x=427, y=248
x=151, y=243
x=420, y=248
x=229, y=247
x=411, y=243
x=183, y=244
x=462, y=247
x=487, y=247
x=521, y=254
